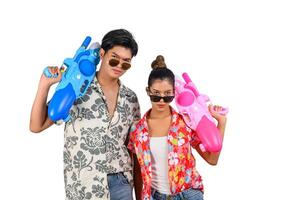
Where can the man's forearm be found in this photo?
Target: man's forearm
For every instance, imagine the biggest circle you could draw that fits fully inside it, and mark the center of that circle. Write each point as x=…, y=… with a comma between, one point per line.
x=39, y=110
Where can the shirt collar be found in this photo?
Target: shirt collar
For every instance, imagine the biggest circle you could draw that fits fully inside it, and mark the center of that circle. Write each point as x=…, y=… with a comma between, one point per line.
x=123, y=91
x=174, y=113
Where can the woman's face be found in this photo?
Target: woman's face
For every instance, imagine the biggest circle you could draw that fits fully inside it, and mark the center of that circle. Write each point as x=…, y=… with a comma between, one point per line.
x=161, y=88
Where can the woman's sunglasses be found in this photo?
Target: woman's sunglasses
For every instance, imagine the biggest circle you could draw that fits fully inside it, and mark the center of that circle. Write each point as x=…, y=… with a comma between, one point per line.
x=166, y=99
x=113, y=62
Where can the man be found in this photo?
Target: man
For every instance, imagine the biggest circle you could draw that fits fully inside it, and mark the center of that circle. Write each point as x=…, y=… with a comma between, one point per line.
x=97, y=164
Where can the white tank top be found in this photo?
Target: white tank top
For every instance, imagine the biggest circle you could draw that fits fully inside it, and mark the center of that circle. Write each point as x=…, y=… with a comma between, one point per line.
x=159, y=152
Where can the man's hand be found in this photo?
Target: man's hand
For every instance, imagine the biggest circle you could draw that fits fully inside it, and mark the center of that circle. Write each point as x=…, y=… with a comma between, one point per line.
x=47, y=82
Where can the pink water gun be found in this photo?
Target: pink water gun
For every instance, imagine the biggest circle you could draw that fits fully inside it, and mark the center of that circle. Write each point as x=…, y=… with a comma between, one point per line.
x=193, y=106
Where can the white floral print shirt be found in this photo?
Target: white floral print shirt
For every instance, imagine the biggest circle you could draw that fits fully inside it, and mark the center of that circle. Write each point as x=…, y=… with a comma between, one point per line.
x=95, y=143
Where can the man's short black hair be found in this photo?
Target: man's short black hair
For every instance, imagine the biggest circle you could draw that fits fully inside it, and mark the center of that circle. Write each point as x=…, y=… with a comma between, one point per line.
x=119, y=37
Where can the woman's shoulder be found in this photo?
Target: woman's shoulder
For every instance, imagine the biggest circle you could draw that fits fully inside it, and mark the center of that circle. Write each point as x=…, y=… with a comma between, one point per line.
x=179, y=120
x=139, y=126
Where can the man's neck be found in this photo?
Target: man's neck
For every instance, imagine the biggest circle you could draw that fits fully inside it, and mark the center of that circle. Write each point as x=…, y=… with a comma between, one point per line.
x=106, y=81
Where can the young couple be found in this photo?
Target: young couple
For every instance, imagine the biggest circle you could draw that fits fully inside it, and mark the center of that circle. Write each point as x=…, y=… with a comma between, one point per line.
x=108, y=148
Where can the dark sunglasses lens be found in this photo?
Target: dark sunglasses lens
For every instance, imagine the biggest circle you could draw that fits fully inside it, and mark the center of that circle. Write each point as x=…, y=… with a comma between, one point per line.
x=113, y=62
x=155, y=98
x=168, y=99
x=126, y=66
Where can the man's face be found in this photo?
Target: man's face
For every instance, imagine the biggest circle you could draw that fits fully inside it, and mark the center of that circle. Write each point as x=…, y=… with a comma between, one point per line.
x=115, y=61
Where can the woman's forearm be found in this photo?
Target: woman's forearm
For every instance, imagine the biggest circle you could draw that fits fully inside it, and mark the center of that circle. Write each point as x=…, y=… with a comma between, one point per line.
x=212, y=158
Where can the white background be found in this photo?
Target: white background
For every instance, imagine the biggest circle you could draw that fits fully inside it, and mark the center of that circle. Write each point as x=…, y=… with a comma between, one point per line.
x=243, y=54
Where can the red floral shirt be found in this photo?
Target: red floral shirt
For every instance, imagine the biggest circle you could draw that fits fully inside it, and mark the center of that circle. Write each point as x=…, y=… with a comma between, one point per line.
x=182, y=173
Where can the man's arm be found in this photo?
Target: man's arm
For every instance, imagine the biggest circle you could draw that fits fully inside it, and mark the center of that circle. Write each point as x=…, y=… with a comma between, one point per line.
x=138, y=182
x=39, y=119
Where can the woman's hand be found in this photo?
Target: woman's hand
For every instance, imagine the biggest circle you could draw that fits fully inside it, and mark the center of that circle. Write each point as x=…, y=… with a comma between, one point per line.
x=212, y=158
x=214, y=111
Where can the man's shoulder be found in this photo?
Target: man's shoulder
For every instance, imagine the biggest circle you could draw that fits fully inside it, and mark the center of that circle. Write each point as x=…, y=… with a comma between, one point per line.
x=129, y=91
x=130, y=95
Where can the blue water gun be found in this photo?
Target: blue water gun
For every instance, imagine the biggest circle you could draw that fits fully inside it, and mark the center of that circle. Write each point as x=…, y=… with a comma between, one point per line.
x=80, y=71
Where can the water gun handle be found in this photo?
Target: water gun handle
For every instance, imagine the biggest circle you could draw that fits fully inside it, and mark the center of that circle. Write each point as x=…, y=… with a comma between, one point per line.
x=186, y=77
x=190, y=85
x=86, y=42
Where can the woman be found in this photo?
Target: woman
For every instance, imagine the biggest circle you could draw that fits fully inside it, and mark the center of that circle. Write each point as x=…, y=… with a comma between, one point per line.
x=164, y=167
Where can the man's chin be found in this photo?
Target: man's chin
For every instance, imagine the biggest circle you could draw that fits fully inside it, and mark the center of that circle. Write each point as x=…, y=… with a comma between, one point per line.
x=115, y=76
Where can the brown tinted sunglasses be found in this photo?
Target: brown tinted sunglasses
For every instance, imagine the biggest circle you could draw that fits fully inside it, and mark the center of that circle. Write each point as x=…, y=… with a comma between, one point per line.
x=114, y=62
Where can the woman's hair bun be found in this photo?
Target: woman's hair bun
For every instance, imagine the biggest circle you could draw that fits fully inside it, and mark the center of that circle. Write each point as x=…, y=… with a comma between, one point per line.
x=159, y=62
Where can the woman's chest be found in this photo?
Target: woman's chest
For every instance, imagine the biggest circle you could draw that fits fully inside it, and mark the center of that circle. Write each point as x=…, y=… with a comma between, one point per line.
x=158, y=127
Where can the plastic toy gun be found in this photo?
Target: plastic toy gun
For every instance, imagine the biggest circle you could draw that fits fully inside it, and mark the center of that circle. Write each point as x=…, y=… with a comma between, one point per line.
x=80, y=71
x=193, y=106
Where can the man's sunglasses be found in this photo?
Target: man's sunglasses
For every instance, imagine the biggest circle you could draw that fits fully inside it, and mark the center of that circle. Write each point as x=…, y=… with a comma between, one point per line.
x=113, y=62
x=166, y=99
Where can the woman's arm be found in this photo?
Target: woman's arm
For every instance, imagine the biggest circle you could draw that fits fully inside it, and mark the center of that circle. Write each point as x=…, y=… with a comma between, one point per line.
x=212, y=158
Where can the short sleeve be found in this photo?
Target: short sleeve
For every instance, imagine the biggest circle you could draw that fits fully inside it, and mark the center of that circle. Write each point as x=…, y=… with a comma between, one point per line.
x=194, y=141
x=136, y=111
x=136, y=116
x=131, y=142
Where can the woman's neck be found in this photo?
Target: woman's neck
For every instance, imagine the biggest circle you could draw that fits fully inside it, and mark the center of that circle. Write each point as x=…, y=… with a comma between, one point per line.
x=155, y=114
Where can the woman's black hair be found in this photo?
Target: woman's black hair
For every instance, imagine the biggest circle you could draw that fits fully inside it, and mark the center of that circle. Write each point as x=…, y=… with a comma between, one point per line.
x=119, y=37
x=161, y=72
